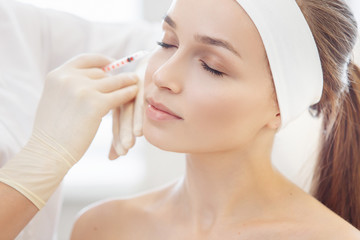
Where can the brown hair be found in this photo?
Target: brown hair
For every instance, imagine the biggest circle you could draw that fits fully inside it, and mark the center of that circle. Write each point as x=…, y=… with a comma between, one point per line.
x=336, y=181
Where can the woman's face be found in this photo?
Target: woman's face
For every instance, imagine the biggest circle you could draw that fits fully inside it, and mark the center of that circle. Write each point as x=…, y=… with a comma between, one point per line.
x=211, y=71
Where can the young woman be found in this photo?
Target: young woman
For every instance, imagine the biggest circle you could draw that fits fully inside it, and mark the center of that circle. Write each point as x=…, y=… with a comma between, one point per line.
x=229, y=75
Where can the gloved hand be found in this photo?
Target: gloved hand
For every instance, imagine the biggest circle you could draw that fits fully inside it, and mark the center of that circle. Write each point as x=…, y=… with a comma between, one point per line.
x=127, y=125
x=128, y=119
x=75, y=98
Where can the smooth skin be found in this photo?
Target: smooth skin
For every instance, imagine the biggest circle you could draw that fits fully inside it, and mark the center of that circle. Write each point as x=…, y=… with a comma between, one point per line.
x=211, y=70
x=15, y=211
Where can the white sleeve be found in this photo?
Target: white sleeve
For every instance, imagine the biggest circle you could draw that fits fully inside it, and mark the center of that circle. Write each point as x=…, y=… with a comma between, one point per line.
x=56, y=36
x=21, y=74
x=66, y=36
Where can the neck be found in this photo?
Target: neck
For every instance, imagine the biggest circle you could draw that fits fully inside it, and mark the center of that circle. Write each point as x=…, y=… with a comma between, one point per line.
x=232, y=183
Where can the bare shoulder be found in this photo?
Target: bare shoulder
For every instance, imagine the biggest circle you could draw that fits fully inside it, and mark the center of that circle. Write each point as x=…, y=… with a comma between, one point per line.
x=118, y=218
x=338, y=228
x=322, y=223
x=301, y=216
x=334, y=230
x=352, y=234
x=300, y=229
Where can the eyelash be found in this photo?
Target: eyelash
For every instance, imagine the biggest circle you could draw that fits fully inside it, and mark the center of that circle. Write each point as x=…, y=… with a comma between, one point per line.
x=203, y=64
x=165, y=45
x=211, y=70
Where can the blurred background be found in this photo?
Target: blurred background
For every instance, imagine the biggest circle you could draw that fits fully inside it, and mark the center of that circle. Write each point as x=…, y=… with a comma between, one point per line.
x=145, y=167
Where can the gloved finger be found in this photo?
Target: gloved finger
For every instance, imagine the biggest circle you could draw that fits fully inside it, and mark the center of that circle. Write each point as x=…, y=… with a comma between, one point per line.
x=121, y=96
x=113, y=83
x=118, y=153
x=127, y=138
x=139, y=110
x=116, y=127
x=89, y=61
x=94, y=73
x=116, y=146
x=112, y=153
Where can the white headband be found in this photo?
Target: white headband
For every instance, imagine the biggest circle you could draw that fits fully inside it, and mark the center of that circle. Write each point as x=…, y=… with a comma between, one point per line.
x=293, y=56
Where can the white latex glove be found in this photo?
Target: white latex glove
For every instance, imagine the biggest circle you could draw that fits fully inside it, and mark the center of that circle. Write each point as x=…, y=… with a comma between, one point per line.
x=128, y=119
x=127, y=125
x=76, y=96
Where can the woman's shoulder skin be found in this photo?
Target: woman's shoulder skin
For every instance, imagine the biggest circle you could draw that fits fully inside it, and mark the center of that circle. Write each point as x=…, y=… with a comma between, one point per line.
x=147, y=217
x=130, y=218
x=315, y=221
x=309, y=219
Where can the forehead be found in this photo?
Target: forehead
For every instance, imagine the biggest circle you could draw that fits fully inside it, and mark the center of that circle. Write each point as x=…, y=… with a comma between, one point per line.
x=223, y=19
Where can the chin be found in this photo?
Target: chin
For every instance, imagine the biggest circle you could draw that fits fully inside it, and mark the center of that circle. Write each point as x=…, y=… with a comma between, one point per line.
x=166, y=143
x=161, y=143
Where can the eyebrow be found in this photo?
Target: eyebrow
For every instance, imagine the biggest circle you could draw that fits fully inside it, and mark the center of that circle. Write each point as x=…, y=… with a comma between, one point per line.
x=216, y=42
x=169, y=21
x=206, y=39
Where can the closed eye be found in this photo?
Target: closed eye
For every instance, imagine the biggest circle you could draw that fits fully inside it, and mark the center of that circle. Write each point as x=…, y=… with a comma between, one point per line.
x=203, y=64
x=211, y=70
x=165, y=45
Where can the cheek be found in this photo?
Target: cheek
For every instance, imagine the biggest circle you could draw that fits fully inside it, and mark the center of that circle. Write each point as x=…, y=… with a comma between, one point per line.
x=225, y=116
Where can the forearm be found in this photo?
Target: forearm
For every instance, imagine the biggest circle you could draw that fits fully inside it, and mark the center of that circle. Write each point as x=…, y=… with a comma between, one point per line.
x=27, y=181
x=15, y=211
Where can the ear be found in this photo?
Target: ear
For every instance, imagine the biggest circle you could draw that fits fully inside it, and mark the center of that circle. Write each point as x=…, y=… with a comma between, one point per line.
x=275, y=121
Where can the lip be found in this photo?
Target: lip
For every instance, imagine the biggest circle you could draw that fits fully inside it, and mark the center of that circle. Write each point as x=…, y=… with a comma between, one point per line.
x=158, y=111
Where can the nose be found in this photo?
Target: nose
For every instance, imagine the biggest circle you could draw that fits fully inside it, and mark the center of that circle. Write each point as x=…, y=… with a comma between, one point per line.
x=169, y=76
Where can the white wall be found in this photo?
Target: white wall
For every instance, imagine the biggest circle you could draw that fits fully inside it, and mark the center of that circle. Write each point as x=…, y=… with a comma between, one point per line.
x=155, y=10
x=95, y=10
